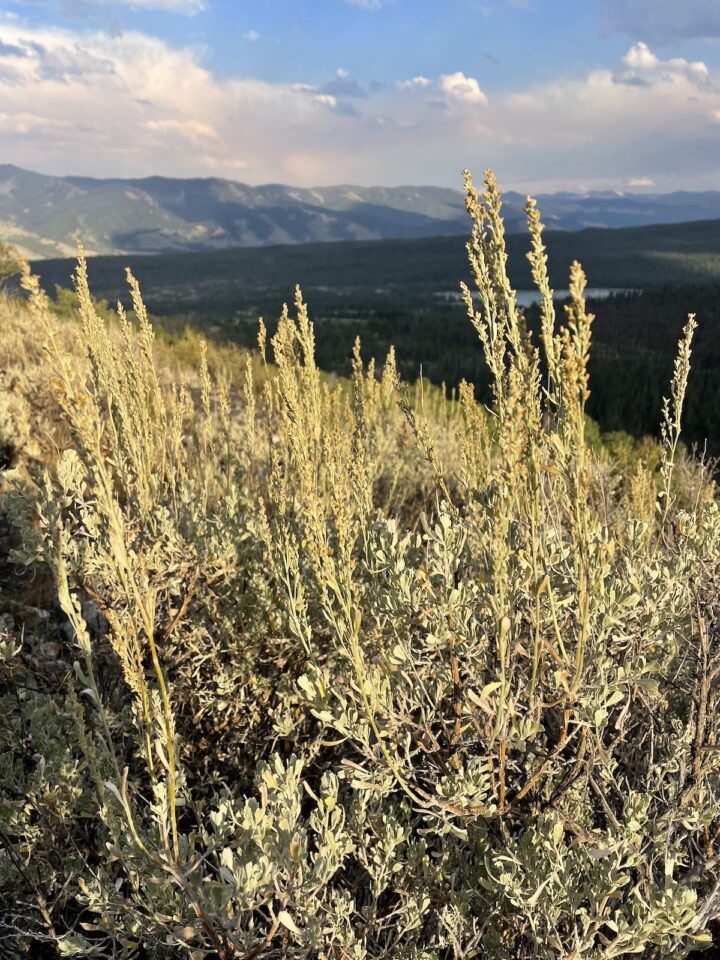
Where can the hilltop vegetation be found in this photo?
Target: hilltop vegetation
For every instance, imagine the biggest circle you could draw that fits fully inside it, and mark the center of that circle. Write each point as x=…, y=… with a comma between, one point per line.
x=9, y=262
x=300, y=668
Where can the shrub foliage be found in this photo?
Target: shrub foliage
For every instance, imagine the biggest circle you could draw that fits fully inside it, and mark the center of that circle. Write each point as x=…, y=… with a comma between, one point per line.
x=303, y=668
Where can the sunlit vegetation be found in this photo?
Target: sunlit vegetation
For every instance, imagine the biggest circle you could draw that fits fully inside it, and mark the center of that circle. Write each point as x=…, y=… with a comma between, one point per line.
x=405, y=294
x=298, y=666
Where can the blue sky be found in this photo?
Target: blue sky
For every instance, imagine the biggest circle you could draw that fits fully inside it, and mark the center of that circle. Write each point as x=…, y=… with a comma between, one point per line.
x=555, y=94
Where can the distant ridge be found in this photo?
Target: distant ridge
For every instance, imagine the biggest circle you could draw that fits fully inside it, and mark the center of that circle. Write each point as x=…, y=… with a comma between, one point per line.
x=44, y=216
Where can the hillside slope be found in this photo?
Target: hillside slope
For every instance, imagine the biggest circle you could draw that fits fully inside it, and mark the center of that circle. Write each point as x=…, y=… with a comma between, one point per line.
x=45, y=215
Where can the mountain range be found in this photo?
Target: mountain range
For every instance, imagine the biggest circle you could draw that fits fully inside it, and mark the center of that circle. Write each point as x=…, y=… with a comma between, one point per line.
x=44, y=216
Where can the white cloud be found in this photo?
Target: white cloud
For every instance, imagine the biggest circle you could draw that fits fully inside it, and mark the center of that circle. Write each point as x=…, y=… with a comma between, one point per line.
x=416, y=83
x=606, y=125
x=192, y=130
x=116, y=99
x=640, y=57
x=457, y=86
x=644, y=68
x=132, y=105
x=641, y=182
x=252, y=35
x=365, y=4
x=31, y=123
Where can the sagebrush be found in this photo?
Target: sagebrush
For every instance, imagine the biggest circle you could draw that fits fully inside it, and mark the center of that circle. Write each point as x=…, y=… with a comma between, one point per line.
x=296, y=667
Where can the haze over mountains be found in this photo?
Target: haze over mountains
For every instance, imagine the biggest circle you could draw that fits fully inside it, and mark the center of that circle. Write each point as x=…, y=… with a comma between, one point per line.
x=44, y=215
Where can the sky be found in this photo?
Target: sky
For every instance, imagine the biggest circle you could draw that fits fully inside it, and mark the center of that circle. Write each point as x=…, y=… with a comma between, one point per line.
x=553, y=94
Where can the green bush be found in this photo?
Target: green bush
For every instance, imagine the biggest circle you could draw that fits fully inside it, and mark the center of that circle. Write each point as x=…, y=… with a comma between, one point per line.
x=360, y=672
x=9, y=262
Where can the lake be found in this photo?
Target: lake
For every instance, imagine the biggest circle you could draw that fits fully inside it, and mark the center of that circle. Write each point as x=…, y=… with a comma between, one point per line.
x=526, y=298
